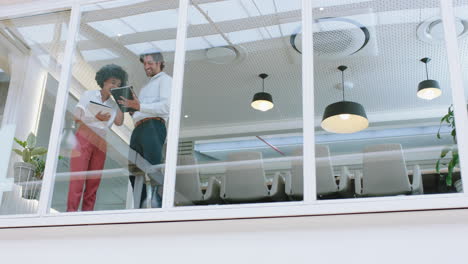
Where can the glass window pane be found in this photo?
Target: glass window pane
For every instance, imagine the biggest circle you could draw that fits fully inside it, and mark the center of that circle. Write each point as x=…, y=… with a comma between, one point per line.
x=380, y=117
x=31, y=52
x=103, y=141
x=461, y=27
x=241, y=121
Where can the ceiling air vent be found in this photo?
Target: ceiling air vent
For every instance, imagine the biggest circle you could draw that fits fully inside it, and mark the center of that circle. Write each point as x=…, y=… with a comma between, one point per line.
x=225, y=54
x=186, y=148
x=338, y=37
x=432, y=30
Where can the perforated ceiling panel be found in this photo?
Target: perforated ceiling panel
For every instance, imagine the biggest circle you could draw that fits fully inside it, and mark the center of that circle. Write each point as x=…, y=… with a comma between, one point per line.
x=385, y=81
x=214, y=93
x=385, y=78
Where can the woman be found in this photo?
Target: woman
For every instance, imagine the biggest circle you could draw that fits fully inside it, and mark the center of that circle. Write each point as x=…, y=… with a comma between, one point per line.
x=90, y=152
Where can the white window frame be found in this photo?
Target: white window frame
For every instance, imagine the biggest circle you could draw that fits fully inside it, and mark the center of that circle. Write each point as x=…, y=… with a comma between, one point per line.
x=310, y=205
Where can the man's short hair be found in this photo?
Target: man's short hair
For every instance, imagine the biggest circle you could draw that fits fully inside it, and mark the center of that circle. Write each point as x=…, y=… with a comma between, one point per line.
x=109, y=71
x=157, y=57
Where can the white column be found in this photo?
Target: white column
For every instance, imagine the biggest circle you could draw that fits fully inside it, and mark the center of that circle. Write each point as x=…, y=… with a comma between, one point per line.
x=456, y=83
x=59, y=112
x=176, y=104
x=308, y=102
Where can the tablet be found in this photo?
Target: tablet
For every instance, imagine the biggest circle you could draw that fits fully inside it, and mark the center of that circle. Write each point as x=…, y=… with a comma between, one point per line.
x=94, y=108
x=125, y=92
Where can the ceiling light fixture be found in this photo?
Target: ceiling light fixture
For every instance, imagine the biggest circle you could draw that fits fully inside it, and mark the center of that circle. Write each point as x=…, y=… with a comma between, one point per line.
x=262, y=101
x=345, y=116
x=428, y=89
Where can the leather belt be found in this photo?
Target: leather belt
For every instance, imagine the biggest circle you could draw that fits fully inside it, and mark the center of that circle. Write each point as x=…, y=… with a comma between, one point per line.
x=149, y=118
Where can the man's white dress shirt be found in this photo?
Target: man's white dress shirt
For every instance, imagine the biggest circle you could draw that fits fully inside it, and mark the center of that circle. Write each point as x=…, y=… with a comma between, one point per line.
x=155, y=98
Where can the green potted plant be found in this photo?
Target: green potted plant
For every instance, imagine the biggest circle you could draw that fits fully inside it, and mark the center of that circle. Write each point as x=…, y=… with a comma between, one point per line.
x=450, y=152
x=32, y=165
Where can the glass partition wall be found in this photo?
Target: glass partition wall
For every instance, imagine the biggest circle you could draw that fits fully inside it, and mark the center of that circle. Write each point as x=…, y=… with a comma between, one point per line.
x=124, y=51
x=382, y=94
x=241, y=118
x=30, y=62
x=383, y=115
x=461, y=31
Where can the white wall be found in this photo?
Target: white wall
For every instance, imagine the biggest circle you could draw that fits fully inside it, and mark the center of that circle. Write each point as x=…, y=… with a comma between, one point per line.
x=413, y=237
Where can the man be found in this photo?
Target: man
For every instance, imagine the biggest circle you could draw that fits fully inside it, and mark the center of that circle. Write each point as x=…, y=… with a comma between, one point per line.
x=152, y=112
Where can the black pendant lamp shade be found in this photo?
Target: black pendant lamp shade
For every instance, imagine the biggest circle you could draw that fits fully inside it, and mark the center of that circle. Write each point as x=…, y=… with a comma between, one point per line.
x=262, y=101
x=345, y=116
x=428, y=89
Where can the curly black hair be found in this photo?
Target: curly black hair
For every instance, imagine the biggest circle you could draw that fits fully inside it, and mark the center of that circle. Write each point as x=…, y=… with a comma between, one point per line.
x=109, y=71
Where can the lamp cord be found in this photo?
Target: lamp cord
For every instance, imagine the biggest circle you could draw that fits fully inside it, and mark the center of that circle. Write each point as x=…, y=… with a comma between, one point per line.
x=263, y=85
x=342, y=83
x=427, y=74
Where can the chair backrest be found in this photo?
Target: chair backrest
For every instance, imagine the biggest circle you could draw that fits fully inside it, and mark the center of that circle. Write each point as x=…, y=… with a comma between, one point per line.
x=188, y=179
x=384, y=170
x=244, y=182
x=297, y=174
x=326, y=183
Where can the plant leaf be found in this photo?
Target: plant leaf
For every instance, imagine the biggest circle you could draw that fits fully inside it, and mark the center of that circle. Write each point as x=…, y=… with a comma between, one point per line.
x=26, y=155
x=444, y=118
x=19, y=152
x=444, y=152
x=454, y=162
x=448, y=179
x=455, y=158
x=21, y=143
x=39, y=151
x=438, y=167
x=31, y=140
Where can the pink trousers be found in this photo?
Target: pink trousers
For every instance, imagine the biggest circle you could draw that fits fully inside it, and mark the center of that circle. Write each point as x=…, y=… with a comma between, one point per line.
x=88, y=155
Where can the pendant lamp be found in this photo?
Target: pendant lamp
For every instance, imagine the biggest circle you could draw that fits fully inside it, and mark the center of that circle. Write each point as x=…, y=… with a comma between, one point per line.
x=262, y=101
x=428, y=89
x=344, y=116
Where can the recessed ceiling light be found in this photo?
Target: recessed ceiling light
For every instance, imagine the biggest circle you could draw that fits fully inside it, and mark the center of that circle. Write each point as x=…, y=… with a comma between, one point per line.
x=119, y=35
x=321, y=9
x=186, y=116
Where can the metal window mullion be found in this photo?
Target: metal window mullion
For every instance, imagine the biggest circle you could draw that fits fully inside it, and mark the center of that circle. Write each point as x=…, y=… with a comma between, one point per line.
x=456, y=83
x=308, y=103
x=59, y=112
x=175, y=108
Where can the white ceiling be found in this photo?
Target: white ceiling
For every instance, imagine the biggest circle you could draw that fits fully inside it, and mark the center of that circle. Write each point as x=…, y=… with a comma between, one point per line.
x=385, y=78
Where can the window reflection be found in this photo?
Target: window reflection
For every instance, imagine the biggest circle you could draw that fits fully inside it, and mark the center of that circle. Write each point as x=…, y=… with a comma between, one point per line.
x=230, y=152
x=31, y=50
x=123, y=167
x=400, y=153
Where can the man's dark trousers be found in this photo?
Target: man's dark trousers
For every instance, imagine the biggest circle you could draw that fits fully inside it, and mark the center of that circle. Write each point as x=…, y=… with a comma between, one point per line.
x=147, y=140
